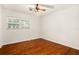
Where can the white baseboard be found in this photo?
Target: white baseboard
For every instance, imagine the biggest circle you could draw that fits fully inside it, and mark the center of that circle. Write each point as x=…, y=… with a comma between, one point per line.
x=0, y=46
x=18, y=41
x=61, y=43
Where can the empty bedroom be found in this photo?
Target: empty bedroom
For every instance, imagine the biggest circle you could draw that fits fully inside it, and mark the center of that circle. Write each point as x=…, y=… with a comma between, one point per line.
x=39, y=29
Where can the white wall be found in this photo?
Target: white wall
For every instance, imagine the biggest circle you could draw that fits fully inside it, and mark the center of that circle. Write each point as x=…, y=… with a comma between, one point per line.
x=62, y=27
x=0, y=27
x=13, y=36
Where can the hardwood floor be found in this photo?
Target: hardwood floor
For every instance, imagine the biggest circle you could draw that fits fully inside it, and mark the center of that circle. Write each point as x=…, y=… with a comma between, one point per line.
x=0, y=51
x=37, y=47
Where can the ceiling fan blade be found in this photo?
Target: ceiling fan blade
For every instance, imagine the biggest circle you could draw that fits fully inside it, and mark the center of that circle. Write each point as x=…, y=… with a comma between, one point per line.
x=49, y=6
x=43, y=9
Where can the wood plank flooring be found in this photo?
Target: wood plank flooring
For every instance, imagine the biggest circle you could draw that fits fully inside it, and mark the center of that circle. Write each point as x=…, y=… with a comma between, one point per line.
x=37, y=47
x=0, y=51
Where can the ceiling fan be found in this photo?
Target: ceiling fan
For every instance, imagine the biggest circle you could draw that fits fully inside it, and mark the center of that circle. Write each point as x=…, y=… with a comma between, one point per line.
x=40, y=7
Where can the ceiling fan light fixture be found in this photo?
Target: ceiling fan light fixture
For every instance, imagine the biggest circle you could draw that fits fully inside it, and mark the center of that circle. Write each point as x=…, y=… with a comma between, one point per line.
x=37, y=8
